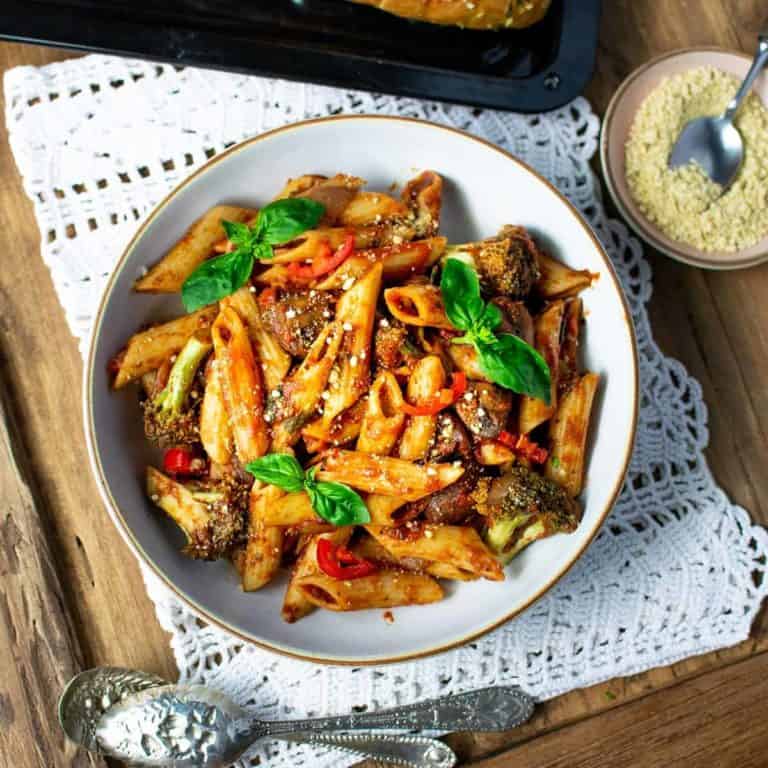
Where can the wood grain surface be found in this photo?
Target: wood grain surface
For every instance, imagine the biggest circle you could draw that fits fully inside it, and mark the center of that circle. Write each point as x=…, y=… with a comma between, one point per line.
x=704, y=711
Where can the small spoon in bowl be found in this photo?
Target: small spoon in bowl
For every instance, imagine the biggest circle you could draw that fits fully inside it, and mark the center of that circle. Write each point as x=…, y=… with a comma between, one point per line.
x=714, y=143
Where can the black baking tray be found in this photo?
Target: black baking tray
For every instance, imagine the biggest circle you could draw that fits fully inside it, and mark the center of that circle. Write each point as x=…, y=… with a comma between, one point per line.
x=331, y=41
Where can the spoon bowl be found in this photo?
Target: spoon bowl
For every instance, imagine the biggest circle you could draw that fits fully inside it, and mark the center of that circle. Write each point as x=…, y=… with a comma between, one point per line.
x=714, y=143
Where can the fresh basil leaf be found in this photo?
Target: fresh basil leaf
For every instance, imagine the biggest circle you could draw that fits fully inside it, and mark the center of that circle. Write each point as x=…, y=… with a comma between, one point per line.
x=283, y=220
x=263, y=251
x=515, y=365
x=460, y=290
x=338, y=504
x=238, y=233
x=490, y=318
x=280, y=469
x=216, y=278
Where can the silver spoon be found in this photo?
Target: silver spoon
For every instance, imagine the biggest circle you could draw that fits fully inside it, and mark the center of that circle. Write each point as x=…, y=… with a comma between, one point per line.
x=714, y=142
x=128, y=715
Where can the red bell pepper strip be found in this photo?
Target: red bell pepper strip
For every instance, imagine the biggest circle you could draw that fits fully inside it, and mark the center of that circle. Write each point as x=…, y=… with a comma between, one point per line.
x=523, y=446
x=182, y=460
x=339, y=563
x=441, y=399
x=325, y=261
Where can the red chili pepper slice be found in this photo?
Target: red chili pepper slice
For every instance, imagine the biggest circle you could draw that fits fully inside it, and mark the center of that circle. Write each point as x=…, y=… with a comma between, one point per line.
x=339, y=563
x=325, y=261
x=183, y=461
x=441, y=400
x=523, y=446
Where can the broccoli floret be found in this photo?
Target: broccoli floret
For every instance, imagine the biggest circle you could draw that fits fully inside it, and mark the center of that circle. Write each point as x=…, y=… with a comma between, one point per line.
x=523, y=507
x=167, y=419
x=211, y=515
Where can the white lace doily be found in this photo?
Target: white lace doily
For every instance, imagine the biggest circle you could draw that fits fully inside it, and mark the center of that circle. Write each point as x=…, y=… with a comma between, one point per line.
x=677, y=570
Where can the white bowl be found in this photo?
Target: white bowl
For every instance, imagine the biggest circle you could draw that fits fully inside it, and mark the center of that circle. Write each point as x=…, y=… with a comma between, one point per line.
x=485, y=188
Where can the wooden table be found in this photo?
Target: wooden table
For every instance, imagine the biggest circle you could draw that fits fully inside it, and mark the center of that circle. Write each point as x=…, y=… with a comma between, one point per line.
x=72, y=595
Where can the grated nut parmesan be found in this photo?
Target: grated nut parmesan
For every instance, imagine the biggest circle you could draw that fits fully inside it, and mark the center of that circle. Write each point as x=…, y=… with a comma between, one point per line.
x=684, y=203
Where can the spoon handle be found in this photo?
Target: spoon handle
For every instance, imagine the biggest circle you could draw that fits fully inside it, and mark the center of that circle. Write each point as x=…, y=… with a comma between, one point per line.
x=760, y=60
x=498, y=708
x=402, y=751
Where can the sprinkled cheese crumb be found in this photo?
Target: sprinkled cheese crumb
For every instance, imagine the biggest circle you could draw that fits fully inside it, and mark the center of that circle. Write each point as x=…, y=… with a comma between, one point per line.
x=325, y=395
x=275, y=393
x=348, y=283
x=252, y=289
x=431, y=471
x=469, y=395
x=384, y=323
x=155, y=497
x=347, y=326
x=353, y=361
x=397, y=239
x=290, y=314
x=326, y=314
x=684, y=203
x=429, y=533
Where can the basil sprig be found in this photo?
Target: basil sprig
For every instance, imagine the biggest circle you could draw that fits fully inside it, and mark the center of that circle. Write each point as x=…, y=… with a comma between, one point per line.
x=277, y=223
x=334, y=502
x=506, y=359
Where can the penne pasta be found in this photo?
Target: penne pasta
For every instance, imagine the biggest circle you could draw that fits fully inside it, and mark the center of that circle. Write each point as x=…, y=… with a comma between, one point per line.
x=385, y=475
x=369, y=549
x=424, y=195
x=295, y=603
x=302, y=390
x=456, y=545
x=384, y=419
x=215, y=429
x=383, y=509
x=355, y=311
x=295, y=509
x=343, y=429
x=297, y=187
x=263, y=550
x=568, y=435
x=491, y=453
x=275, y=361
x=426, y=380
x=399, y=262
x=148, y=350
x=558, y=281
x=465, y=358
x=547, y=334
x=417, y=304
x=569, y=346
x=383, y=589
x=372, y=208
x=169, y=274
x=241, y=385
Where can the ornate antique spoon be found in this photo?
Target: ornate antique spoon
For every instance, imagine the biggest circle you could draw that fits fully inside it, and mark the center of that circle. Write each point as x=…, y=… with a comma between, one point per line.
x=139, y=719
x=714, y=142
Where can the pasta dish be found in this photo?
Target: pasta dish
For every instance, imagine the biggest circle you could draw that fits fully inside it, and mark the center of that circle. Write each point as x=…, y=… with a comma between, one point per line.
x=354, y=398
